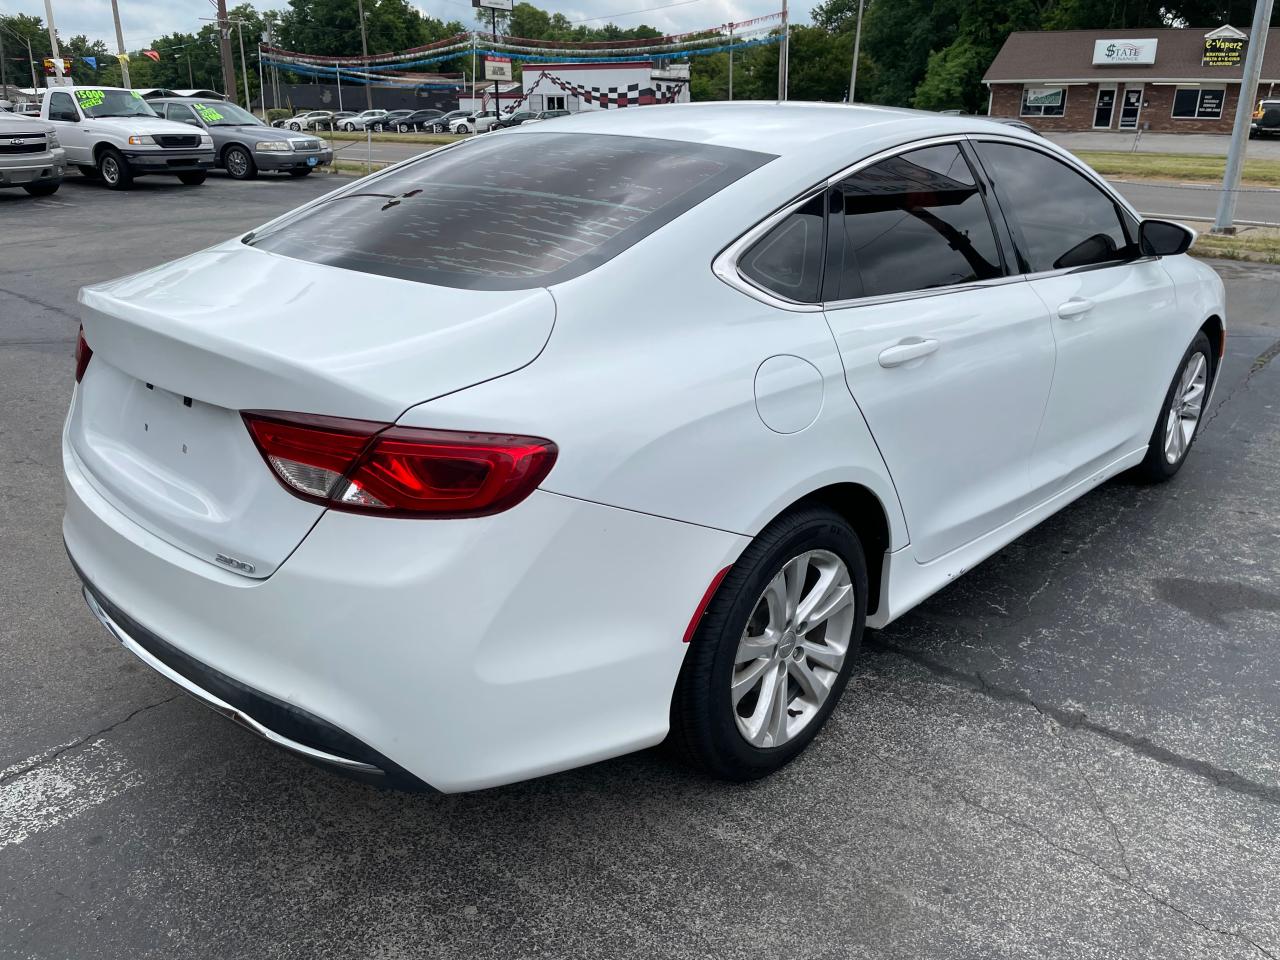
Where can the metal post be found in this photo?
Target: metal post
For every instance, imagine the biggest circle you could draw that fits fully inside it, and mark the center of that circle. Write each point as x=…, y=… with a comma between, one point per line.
x=364, y=52
x=262, y=85
x=31, y=59
x=1244, y=114
x=53, y=38
x=244, y=70
x=497, y=101
x=337, y=72
x=4, y=73
x=731, y=61
x=191, y=81
x=782, y=54
x=124, y=64
x=857, y=44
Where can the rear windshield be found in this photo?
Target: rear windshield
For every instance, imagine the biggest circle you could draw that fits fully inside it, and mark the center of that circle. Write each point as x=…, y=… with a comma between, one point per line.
x=507, y=212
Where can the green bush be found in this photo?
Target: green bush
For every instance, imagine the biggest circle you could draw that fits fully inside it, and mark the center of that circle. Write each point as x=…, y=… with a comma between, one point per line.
x=278, y=114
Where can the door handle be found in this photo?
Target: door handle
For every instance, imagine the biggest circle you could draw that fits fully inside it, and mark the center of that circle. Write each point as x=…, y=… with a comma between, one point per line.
x=912, y=348
x=1074, y=308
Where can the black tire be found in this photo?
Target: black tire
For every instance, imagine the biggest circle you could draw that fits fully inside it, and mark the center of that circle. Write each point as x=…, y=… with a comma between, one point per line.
x=463, y=128
x=295, y=126
x=45, y=189
x=114, y=170
x=402, y=127
x=301, y=172
x=1157, y=466
x=193, y=178
x=349, y=127
x=239, y=163
x=89, y=173
x=703, y=725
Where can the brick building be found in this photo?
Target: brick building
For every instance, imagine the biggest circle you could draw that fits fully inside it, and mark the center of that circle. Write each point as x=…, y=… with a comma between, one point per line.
x=1184, y=80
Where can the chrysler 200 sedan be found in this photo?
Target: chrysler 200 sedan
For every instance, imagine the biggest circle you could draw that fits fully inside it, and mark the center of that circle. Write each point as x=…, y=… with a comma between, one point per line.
x=548, y=446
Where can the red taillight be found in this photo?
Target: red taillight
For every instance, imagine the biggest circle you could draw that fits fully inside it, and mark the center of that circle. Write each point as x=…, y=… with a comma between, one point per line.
x=83, y=355
x=371, y=467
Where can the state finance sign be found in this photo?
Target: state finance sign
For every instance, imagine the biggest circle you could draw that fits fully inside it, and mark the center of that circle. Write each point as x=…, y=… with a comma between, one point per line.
x=497, y=68
x=1113, y=52
x=1223, y=52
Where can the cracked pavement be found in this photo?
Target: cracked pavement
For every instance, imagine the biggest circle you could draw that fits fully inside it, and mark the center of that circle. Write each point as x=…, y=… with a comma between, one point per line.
x=1070, y=752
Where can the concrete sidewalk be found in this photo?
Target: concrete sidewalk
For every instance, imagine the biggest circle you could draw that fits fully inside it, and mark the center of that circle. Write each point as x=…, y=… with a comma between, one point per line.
x=1211, y=144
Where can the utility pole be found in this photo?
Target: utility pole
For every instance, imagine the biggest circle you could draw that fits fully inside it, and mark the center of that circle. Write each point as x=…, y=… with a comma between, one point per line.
x=244, y=70
x=857, y=44
x=262, y=85
x=782, y=54
x=31, y=59
x=224, y=51
x=124, y=64
x=731, y=61
x=53, y=38
x=364, y=52
x=1244, y=114
x=497, y=101
x=4, y=73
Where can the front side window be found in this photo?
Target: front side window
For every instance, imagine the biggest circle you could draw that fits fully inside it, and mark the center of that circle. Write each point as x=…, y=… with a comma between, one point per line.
x=98, y=103
x=179, y=113
x=61, y=107
x=1203, y=103
x=788, y=259
x=914, y=222
x=509, y=213
x=1044, y=101
x=1060, y=219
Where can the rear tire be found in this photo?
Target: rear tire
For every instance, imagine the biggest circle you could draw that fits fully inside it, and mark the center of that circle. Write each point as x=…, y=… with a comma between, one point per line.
x=46, y=189
x=403, y=127
x=1181, y=413
x=301, y=172
x=114, y=170
x=756, y=640
x=193, y=178
x=462, y=128
x=239, y=163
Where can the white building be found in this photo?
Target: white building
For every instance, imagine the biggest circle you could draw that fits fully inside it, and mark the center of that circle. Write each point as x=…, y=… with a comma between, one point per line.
x=603, y=86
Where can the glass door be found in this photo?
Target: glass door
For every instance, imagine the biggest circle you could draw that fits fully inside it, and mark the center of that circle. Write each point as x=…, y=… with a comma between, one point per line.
x=1130, y=108
x=1104, y=108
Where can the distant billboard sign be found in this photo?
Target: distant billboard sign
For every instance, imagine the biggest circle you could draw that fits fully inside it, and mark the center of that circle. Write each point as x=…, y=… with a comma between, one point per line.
x=493, y=4
x=1108, y=53
x=497, y=68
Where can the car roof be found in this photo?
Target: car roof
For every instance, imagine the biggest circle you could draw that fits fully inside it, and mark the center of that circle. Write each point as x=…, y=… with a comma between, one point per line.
x=779, y=128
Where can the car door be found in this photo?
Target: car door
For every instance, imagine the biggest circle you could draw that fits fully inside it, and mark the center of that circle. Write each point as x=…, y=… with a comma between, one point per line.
x=1111, y=310
x=949, y=358
x=70, y=125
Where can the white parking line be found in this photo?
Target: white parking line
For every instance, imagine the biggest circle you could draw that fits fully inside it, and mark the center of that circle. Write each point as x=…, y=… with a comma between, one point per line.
x=46, y=796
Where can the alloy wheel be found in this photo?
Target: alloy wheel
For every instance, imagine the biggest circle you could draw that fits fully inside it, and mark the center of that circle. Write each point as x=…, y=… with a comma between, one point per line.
x=792, y=649
x=237, y=163
x=110, y=170
x=1186, y=408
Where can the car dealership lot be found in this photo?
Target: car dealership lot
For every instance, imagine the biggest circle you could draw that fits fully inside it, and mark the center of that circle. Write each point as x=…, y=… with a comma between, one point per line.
x=1071, y=752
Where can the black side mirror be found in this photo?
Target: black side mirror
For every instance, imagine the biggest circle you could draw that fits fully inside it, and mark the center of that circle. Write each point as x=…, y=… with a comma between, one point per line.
x=1161, y=238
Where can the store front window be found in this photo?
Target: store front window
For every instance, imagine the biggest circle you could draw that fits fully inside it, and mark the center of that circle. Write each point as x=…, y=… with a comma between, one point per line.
x=1044, y=101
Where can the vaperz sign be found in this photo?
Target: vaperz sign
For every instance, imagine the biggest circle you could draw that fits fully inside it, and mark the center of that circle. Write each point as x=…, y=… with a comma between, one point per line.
x=1222, y=52
x=497, y=68
x=1108, y=53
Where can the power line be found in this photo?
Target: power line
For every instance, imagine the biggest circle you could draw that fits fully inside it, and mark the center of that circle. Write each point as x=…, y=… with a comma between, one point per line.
x=664, y=6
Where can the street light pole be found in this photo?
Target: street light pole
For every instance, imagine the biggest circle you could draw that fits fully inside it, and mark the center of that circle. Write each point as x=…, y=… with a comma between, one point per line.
x=244, y=70
x=364, y=52
x=1244, y=114
x=731, y=61
x=53, y=38
x=857, y=44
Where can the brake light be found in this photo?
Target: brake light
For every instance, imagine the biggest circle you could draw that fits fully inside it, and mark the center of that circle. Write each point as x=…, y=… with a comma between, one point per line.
x=83, y=355
x=367, y=467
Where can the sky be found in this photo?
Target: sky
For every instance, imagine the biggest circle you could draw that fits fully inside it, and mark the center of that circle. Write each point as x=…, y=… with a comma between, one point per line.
x=144, y=20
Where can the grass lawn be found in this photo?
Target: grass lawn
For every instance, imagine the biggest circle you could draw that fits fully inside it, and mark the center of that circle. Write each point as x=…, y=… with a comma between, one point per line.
x=1178, y=166
x=1260, y=244
x=393, y=137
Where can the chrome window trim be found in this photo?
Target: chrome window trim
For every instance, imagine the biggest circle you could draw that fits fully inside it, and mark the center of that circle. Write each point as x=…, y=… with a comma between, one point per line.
x=921, y=294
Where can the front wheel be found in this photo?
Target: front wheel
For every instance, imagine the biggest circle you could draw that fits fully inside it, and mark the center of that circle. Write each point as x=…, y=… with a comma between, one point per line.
x=114, y=170
x=403, y=128
x=349, y=127
x=295, y=126
x=48, y=188
x=193, y=178
x=239, y=163
x=774, y=650
x=1181, y=413
x=462, y=128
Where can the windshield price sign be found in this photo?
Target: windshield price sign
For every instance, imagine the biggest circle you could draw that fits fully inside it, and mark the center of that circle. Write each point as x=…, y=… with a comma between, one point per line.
x=90, y=98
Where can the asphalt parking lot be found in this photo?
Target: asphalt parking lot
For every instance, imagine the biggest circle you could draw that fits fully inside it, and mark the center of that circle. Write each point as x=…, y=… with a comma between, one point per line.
x=1072, y=752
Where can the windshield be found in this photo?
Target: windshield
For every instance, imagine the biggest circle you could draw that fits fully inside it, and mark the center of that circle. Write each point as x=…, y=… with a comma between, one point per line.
x=509, y=212
x=224, y=114
x=112, y=103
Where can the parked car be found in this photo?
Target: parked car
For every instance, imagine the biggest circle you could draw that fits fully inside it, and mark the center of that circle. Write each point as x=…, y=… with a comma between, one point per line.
x=30, y=155
x=114, y=135
x=1266, y=119
x=444, y=123
x=417, y=120
x=474, y=122
x=29, y=108
x=1016, y=124
x=358, y=121
x=311, y=120
x=514, y=119
x=388, y=120
x=243, y=144
x=547, y=115
x=486, y=542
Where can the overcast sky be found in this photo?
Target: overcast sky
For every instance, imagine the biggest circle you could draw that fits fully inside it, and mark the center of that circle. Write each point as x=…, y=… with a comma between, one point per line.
x=144, y=20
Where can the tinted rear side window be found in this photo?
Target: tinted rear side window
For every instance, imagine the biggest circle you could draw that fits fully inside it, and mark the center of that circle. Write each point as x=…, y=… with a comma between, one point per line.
x=913, y=222
x=510, y=212
x=1060, y=219
x=788, y=259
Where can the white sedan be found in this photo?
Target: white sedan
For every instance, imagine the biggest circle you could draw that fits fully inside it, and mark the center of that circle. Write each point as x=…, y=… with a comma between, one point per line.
x=641, y=423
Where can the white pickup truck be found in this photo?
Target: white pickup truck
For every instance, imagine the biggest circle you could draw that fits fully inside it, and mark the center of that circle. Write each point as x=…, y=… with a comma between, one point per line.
x=113, y=134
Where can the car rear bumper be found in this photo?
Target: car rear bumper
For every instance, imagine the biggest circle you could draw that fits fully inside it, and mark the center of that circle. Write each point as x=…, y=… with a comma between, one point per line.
x=466, y=653
x=267, y=160
x=169, y=161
